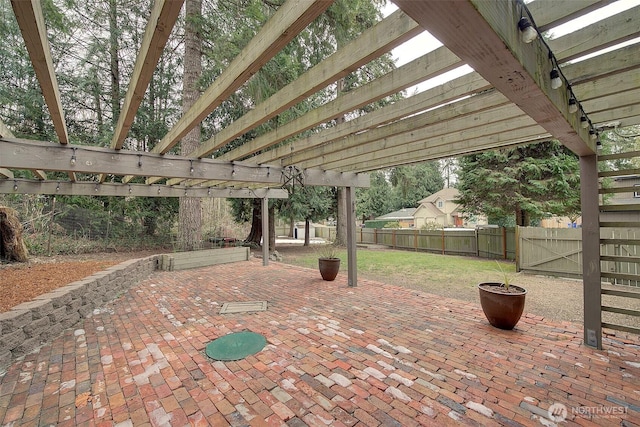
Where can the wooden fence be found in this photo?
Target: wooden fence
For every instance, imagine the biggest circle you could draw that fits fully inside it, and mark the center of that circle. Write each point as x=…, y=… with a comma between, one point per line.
x=558, y=252
x=485, y=242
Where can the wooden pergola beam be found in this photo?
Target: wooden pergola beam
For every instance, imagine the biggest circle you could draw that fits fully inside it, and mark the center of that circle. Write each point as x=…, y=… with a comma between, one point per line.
x=457, y=88
x=465, y=114
x=163, y=17
x=486, y=35
x=24, y=154
x=504, y=119
x=608, y=85
x=607, y=64
x=605, y=33
x=290, y=19
x=6, y=133
x=428, y=66
x=381, y=38
x=548, y=16
x=34, y=32
x=429, y=150
x=132, y=190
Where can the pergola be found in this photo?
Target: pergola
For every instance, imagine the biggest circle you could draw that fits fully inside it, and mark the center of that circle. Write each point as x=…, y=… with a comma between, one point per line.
x=508, y=100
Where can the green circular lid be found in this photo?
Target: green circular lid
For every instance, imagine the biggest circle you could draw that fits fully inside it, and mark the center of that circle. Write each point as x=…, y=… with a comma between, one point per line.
x=235, y=346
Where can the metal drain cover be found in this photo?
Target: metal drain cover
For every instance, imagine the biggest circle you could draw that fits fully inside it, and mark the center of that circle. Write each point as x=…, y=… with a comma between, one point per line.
x=243, y=307
x=235, y=346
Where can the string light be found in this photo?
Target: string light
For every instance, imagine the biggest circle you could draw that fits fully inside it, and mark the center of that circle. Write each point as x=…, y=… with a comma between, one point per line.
x=96, y=189
x=139, y=160
x=130, y=190
x=73, y=157
x=58, y=188
x=158, y=190
x=191, y=168
x=584, y=122
x=528, y=33
x=556, y=81
x=15, y=186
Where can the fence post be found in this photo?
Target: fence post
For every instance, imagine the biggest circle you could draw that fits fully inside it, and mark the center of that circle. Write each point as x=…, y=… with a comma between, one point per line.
x=504, y=242
x=516, y=232
x=415, y=240
x=444, y=250
x=375, y=236
x=393, y=238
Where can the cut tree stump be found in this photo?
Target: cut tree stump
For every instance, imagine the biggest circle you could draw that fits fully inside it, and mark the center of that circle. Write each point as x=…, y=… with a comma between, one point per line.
x=12, y=246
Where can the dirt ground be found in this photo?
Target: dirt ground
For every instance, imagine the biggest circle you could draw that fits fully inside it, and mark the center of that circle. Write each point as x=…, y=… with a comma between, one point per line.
x=21, y=282
x=548, y=297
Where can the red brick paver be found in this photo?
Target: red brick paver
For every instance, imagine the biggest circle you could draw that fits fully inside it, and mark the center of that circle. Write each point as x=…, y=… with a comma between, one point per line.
x=365, y=356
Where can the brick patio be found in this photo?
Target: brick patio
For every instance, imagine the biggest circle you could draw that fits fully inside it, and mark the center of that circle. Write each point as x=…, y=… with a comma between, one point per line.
x=366, y=356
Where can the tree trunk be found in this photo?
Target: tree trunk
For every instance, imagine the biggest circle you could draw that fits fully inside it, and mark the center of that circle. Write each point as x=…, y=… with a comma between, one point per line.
x=12, y=246
x=307, y=225
x=272, y=228
x=255, y=234
x=114, y=49
x=190, y=229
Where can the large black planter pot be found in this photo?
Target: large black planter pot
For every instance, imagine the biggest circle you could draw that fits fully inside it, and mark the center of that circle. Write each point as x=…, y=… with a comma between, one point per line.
x=329, y=268
x=502, y=308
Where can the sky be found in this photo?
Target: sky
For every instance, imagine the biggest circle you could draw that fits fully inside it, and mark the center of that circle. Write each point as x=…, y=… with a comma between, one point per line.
x=425, y=42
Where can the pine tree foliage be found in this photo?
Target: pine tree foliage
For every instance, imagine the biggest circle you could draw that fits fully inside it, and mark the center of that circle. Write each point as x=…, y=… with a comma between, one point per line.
x=526, y=183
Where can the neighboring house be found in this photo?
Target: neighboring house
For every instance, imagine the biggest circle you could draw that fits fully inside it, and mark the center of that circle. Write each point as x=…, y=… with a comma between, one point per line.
x=440, y=208
x=404, y=217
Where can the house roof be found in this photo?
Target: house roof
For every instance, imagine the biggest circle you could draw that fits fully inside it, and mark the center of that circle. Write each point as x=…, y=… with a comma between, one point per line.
x=404, y=213
x=445, y=193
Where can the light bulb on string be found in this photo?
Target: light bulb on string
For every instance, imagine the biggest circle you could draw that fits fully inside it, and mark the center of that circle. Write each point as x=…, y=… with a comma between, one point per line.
x=584, y=122
x=527, y=32
x=573, y=105
x=556, y=81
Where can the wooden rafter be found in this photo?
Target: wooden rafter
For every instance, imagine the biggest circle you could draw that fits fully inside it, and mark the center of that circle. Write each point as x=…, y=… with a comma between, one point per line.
x=486, y=36
x=23, y=154
x=374, y=42
x=6, y=133
x=34, y=32
x=477, y=110
x=438, y=95
x=426, y=150
x=548, y=16
x=132, y=190
x=163, y=17
x=291, y=18
x=611, y=63
x=608, y=32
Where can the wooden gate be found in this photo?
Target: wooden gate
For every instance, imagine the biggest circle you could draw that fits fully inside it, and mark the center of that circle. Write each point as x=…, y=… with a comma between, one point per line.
x=550, y=251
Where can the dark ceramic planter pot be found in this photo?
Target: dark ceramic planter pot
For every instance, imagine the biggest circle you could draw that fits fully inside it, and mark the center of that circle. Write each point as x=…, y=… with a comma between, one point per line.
x=502, y=308
x=329, y=268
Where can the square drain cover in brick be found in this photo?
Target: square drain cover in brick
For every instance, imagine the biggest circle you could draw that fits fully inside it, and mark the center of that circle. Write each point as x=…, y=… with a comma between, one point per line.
x=243, y=307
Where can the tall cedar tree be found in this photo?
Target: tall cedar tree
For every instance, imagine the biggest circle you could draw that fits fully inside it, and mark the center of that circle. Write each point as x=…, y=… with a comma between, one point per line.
x=527, y=183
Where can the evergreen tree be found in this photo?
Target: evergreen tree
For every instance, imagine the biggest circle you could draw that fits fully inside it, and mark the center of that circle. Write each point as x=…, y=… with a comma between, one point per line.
x=413, y=183
x=525, y=183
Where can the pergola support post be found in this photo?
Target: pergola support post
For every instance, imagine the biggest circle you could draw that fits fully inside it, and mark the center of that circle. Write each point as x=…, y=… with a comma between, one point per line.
x=591, y=251
x=351, y=237
x=265, y=231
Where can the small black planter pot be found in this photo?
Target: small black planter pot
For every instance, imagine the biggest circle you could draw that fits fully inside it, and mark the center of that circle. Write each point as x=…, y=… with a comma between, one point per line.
x=502, y=308
x=329, y=268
